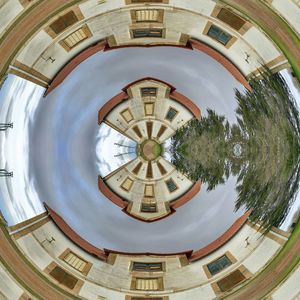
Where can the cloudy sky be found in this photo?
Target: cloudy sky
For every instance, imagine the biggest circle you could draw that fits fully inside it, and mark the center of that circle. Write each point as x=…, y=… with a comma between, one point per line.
x=58, y=138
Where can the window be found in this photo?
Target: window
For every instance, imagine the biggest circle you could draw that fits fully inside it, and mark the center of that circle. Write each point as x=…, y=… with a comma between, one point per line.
x=147, y=15
x=219, y=35
x=64, y=22
x=149, y=173
x=148, y=207
x=127, y=184
x=149, y=190
x=230, y=281
x=147, y=298
x=161, y=168
x=74, y=261
x=219, y=264
x=149, y=126
x=63, y=277
x=171, y=185
x=127, y=115
x=137, y=131
x=75, y=38
x=147, y=32
x=171, y=114
x=149, y=108
x=147, y=284
x=161, y=131
x=146, y=1
x=137, y=168
x=149, y=92
x=147, y=266
x=231, y=19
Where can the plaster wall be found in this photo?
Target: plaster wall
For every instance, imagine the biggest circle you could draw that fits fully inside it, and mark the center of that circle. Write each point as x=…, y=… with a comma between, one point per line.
x=187, y=17
x=177, y=277
x=290, y=11
x=9, y=11
x=9, y=289
x=290, y=289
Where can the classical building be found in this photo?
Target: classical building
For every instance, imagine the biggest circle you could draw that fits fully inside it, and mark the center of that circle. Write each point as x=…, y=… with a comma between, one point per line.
x=53, y=254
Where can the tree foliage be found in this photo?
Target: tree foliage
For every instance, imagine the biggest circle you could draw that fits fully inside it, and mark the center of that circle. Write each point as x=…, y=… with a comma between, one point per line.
x=267, y=130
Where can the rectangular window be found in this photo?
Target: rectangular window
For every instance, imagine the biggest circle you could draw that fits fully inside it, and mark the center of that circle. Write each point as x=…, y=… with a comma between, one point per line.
x=149, y=173
x=171, y=185
x=147, y=15
x=146, y=1
x=230, y=281
x=64, y=22
x=219, y=35
x=149, y=190
x=149, y=126
x=231, y=19
x=171, y=114
x=161, y=131
x=76, y=38
x=149, y=92
x=161, y=168
x=148, y=207
x=137, y=131
x=137, y=168
x=74, y=261
x=127, y=115
x=127, y=184
x=219, y=264
x=147, y=267
x=63, y=277
x=147, y=298
x=149, y=108
x=147, y=284
x=147, y=33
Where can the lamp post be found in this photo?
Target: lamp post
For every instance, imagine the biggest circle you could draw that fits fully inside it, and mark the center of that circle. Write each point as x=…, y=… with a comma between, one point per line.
x=48, y=240
x=5, y=126
x=5, y=173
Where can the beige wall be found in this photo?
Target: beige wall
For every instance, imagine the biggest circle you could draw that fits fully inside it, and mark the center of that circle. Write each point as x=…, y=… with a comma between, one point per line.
x=187, y=17
x=113, y=280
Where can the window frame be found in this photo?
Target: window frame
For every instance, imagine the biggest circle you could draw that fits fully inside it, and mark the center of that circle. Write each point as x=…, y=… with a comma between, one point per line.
x=225, y=13
x=68, y=47
x=173, y=118
x=150, y=204
x=50, y=268
x=218, y=36
x=135, y=20
x=145, y=108
x=229, y=256
x=87, y=267
x=162, y=264
x=76, y=10
x=131, y=184
x=229, y=43
x=146, y=95
x=152, y=187
x=127, y=109
x=127, y=2
x=175, y=184
x=148, y=34
x=160, y=285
